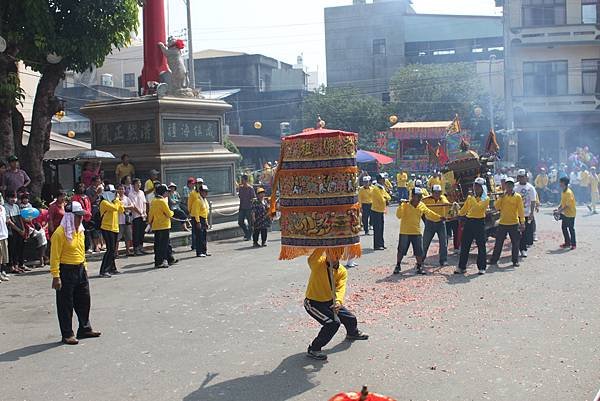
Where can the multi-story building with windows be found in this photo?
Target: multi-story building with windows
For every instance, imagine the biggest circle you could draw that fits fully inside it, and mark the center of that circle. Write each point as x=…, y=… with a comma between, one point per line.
x=552, y=69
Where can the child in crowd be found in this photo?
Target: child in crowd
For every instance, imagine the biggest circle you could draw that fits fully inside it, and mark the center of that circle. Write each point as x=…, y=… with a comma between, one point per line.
x=260, y=218
x=37, y=235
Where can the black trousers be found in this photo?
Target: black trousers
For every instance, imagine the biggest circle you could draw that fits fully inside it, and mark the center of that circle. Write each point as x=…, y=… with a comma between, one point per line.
x=16, y=245
x=366, y=216
x=162, y=247
x=377, y=220
x=263, y=235
x=515, y=240
x=474, y=230
x=568, y=229
x=527, y=235
x=200, y=236
x=139, y=231
x=74, y=294
x=108, y=260
x=243, y=215
x=322, y=313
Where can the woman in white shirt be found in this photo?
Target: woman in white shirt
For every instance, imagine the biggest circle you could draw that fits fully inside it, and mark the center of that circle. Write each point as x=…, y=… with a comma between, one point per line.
x=139, y=213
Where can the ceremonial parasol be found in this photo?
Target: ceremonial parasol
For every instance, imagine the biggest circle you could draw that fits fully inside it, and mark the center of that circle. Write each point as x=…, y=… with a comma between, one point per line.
x=95, y=154
x=364, y=156
x=364, y=395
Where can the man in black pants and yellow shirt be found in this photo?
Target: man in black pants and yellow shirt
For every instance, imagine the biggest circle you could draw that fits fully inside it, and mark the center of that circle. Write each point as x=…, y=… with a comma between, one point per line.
x=69, y=275
x=321, y=306
x=512, y=222
x=379, y=198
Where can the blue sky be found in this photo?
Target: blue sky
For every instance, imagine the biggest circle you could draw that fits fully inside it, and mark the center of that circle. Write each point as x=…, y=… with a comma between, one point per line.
x=283, y=29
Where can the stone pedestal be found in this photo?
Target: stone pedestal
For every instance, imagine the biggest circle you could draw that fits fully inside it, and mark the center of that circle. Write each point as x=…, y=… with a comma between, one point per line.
x=179, y=137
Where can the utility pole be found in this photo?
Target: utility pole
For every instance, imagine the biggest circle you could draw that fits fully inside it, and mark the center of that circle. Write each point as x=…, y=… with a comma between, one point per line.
x=512, y=151
x=191, y=71
x=492, y=59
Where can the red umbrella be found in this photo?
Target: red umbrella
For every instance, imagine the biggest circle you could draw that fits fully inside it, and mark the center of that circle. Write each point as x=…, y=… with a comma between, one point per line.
x=364, y=156
x=364, y=395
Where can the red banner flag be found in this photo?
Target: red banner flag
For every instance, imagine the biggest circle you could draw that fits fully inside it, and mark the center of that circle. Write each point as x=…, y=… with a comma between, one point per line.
x=442, y=156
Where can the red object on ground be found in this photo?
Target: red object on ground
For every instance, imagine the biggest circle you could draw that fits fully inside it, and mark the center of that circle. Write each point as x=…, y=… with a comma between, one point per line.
x=364, y=395
x=154, y=32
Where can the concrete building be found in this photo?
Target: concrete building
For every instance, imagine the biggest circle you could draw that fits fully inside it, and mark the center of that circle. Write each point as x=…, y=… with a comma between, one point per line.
x=366, y=43
x=552, y=76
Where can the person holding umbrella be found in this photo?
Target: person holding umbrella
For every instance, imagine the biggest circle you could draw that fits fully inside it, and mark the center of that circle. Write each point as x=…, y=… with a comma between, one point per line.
x=326, y=307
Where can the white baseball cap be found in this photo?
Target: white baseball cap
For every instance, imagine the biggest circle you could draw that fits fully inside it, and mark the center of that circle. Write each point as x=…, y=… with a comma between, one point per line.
x=418, y=191
x=521, y=172
x=437, y=188
x=77, y=209
x=509, y=179
x=199, y=180
x=479, y=181
x=366, y=178
x=418, y=183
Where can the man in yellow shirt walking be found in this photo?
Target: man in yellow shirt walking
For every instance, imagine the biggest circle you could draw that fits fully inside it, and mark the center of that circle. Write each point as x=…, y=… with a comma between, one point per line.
x=380, y=199
x=69, y=275
x=410, y=214
x=567, y=211
x=199, y=208
x=541, y=185
x=159, y=218
x=324, y=307
x=110, y=207
x=594, y=195
x=512, y=222
x=365, y=198
x=440, y=204
x=474, y=211
x=401, y=184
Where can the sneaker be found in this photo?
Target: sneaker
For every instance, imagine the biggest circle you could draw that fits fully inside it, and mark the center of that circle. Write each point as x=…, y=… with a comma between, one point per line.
x=3, y=277
x=173, y=262
x=460, y=271
x=256, y=245
x=113, y=272
x=247, y=238
x=419, y=270
x=573, y=247
x=397, y=269
x=481, y=272
x=314, y=354
x=523, y=254
x=105, y=275
x=263, y=244
x=351, y=265
x=359, y=335
x=202, y=255
x=442, y=264
x=516, y=264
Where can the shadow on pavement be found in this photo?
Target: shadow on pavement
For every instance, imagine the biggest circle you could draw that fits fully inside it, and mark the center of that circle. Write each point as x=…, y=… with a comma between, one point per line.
x=17, y=354
x=291, y=378
x=558, y=251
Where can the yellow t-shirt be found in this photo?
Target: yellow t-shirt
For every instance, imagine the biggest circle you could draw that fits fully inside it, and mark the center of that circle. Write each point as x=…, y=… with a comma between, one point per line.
x=380, y=197
x=124, y=170
x=149, y=186
x=511, y=209
x=474, y=208
x=388, y=184
x=410, y=217
x=63, y=251
x=318, y=288
x=160, y=215
x=365, y=195
x=567, y=203
x=441, y=210
x=198, y=206
x=541, y=181
x=110, y=214
x=593, y=180
x=401, y=179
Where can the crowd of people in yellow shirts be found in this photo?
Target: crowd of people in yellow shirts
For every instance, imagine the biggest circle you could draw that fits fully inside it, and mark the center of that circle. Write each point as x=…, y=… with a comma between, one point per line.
x=516, y=201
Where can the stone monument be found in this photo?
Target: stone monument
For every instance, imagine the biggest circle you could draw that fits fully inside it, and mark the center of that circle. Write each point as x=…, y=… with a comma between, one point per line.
x=174, y=131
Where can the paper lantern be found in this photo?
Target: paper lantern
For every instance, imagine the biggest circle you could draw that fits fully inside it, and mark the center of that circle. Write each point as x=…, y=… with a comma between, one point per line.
x=318, y=182
x=30, y=213
x=258, y=125
x=393, y=119
x=71, y=134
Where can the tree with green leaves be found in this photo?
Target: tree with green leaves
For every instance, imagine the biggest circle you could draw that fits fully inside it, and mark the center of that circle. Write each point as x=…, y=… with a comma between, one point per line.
x=436, y=92
x=52, y=37
x=349, y=110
